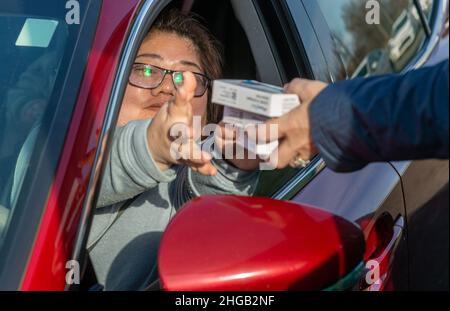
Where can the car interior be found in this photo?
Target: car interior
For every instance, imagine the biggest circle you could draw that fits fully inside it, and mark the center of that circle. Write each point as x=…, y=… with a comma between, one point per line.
x=247, y=55
x=239, y=61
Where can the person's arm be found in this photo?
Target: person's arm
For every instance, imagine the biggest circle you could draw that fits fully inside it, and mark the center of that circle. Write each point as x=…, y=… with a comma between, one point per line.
x=130, y=168
x=228, y=180
x=384, y=118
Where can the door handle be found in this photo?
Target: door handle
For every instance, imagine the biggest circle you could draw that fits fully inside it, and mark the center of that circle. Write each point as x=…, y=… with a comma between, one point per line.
x=379, y=260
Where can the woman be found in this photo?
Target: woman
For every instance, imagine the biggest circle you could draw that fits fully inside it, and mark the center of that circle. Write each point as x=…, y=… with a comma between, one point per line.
x=143, y=183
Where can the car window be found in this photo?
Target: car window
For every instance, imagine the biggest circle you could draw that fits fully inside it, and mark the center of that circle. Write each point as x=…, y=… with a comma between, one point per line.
x=38, y=41
x=297, y=52
x=367, y=48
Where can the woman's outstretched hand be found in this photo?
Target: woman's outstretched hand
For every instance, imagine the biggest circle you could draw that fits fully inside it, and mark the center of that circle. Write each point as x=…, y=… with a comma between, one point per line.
x=171, y=136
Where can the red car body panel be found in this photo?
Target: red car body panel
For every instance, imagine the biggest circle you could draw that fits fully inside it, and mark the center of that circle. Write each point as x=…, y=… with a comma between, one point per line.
x=54, y=241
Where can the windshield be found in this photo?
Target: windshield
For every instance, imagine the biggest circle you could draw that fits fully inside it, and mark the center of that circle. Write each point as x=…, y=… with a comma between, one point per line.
x=37, y=46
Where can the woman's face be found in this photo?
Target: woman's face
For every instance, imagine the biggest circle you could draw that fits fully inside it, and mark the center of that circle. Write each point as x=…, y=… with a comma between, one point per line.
x=168, y=51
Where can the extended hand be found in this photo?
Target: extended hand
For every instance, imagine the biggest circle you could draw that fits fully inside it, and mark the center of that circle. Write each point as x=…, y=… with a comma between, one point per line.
x=226, y=140
x=296, y=143
x=171, y=137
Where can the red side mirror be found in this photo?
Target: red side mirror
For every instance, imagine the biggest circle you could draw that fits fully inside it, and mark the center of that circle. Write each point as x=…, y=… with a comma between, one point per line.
x=251, y=243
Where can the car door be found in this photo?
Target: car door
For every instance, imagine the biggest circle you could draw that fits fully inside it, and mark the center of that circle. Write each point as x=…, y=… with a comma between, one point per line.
x=425, y=183
x=371, y=197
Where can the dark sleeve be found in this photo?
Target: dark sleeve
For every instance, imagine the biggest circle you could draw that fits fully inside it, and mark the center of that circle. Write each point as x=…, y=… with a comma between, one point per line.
x=383, y=118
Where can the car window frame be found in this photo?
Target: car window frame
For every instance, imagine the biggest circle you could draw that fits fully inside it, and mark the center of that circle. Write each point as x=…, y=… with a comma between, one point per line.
x=145, y=16
x=432, y=40
x=303, y=177
x=297, y=34
x=426, y=19
x=325, y=40
x=265, y=60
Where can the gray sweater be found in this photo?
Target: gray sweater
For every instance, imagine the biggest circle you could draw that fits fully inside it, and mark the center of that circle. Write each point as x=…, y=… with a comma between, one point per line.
x=136, y=202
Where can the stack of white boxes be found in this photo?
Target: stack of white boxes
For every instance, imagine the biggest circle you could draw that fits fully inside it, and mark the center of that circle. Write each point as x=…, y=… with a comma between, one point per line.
x=248, y=102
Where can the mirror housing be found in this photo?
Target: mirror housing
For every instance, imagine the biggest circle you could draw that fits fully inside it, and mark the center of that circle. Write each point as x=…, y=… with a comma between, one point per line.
x=252, y=244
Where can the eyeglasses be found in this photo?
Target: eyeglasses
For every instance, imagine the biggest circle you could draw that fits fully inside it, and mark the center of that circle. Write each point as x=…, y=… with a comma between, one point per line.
x=150, y=77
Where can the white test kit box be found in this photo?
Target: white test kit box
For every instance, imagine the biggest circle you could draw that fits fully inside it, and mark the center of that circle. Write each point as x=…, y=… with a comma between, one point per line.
x=253, y=96
x=248, y=102
x=241, y=119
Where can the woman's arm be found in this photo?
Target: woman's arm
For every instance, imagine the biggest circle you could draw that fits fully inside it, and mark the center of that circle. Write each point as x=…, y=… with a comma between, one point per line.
x=228, y=180
x=130, y=168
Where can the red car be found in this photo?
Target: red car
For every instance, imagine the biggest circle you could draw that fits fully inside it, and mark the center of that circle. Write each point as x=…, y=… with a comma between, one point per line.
x=65, y=66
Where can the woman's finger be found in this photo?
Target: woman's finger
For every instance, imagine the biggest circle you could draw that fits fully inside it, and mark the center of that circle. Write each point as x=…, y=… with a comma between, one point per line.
x=184, y=95
x=197, y=159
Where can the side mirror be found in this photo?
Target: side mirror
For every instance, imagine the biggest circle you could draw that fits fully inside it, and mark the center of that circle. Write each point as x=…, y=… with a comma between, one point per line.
x=251, y=244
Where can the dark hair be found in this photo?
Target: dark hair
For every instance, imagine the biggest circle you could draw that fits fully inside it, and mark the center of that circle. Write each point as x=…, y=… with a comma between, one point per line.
x=188, y=25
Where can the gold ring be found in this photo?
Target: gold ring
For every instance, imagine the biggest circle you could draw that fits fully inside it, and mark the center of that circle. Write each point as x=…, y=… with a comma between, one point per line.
x=299, y=162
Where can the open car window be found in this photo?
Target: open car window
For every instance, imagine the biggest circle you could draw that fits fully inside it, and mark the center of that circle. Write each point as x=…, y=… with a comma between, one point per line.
x=247, y=55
